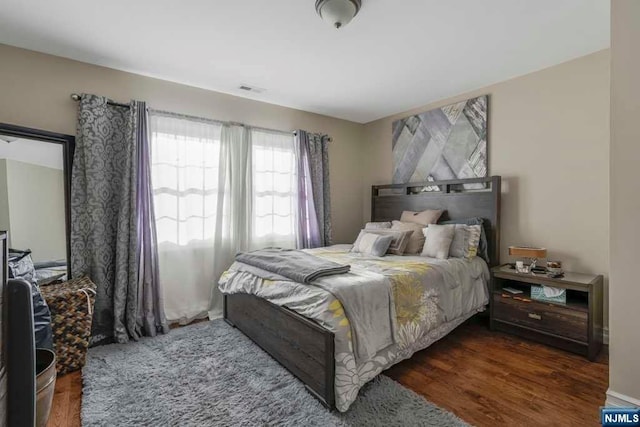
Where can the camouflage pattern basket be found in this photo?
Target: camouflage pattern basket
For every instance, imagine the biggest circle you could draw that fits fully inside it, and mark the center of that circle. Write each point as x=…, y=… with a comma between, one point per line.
x=71, y=305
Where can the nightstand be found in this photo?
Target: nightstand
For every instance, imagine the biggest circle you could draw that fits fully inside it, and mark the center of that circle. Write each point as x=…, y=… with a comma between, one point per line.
x=575, y=326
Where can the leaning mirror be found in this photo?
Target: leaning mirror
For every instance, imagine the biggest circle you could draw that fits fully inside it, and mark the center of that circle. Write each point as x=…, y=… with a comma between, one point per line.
x=33, y=208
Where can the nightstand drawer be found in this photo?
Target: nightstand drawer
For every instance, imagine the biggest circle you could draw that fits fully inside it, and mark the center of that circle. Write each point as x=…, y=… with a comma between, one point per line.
x=562, y=321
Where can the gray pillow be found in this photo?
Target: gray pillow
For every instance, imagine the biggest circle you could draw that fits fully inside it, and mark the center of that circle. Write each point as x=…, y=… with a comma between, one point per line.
x=466, y=239
x=399, y=242
x=371, y=244
x=438, y=240
x=483, y=246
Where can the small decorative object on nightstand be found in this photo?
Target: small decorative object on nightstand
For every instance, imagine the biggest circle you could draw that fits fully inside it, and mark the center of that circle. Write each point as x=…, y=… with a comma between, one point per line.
x=574, y=325
x=529, y=253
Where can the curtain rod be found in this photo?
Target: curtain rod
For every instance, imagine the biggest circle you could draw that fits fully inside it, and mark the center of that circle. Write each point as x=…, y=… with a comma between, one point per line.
x=220, y=122
x=77, y=97
x=207, y=120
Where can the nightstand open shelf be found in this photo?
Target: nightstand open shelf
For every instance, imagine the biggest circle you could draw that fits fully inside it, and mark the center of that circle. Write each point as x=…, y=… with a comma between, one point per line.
x=577, y=300
x=574, y=326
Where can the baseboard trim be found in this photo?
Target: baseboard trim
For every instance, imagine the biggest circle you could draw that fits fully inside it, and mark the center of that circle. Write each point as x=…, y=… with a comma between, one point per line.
x=619, y=400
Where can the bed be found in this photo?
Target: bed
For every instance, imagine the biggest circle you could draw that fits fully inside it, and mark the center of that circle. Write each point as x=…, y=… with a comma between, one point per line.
x=305, y=328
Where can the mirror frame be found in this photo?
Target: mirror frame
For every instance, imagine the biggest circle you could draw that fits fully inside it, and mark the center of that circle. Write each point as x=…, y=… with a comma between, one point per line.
x=68, y=143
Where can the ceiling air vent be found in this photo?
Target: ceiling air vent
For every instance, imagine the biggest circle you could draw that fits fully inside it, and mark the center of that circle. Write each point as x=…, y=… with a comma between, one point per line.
x=253, y=89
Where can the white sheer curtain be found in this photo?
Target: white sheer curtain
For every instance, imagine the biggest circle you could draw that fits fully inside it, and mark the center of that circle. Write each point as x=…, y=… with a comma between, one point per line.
x=232, y=233
x=218, y=189
x=185, y=156
x=275, y=190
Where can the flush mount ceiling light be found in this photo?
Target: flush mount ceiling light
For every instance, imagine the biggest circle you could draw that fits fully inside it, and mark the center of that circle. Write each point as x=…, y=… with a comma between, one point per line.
x=338, y=12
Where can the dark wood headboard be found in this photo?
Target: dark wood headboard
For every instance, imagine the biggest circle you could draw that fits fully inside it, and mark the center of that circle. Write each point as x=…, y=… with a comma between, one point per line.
x=463, y=198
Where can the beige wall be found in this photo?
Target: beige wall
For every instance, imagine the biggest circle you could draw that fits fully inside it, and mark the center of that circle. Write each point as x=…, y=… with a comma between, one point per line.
x=35, y=89
x=36, y=208
x=549, y=139
x=624, y=295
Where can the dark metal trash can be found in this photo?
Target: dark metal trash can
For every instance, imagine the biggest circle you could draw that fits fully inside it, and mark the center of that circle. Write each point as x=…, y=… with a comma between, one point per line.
x=45, y=384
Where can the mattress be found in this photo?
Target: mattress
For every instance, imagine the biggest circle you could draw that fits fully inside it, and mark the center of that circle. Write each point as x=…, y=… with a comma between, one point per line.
x=430, y=297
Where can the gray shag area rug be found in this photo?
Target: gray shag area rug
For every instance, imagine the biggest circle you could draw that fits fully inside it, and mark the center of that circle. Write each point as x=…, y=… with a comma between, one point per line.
x=210, y=374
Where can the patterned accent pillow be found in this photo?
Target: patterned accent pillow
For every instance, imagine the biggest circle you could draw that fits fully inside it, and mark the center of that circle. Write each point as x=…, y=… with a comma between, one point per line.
x=483, y=247
x=416, y=241
x=372, y=244
x=377, y=225
x=438, y=240
x=430, y=216
x=398, y=243
x=466, y=239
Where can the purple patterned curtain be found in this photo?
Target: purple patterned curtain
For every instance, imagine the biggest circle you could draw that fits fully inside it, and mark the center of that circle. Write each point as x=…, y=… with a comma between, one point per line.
x=150, y=318
x=314, y=201
x=103, y=221
x=112, y=224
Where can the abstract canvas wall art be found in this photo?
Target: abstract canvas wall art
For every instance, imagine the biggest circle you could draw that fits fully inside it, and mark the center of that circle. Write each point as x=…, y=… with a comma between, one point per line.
x=445, y=143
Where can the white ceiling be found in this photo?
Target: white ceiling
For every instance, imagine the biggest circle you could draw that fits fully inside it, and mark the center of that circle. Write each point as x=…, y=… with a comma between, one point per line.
x=395, y=55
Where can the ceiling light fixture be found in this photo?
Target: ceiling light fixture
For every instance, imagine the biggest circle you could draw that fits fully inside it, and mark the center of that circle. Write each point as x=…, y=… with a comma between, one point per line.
x=338, y=12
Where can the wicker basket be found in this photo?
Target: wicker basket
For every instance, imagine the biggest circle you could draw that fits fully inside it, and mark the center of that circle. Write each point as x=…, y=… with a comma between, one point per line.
x=71, y=305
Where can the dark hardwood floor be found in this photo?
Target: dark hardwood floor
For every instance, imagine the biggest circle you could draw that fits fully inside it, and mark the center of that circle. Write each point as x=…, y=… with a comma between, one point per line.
x=493, y=379
x=486, y=378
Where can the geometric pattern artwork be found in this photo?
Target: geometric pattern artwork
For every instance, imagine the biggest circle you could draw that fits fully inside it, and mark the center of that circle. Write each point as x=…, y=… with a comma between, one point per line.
x=445, y=143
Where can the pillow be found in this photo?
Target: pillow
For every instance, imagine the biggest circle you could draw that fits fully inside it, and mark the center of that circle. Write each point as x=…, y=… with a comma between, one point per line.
x=483, y=246
x=377, y=225
x=430, y=216
x=465, y=241
x=371, y=244
x=399, y=242
x=416, y=240
x=438, y=240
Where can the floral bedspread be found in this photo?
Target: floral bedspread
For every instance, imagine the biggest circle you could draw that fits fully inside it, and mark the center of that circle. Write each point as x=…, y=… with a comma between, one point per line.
x=430, y=298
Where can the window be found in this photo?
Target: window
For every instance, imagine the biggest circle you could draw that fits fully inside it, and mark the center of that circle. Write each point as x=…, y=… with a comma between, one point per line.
x=185, y=158
x=274, y=189
x=197, y=165
x=185, y=166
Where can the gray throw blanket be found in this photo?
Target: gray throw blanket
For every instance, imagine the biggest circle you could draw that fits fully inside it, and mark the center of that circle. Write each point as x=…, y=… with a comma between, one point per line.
x=296, y=265
x=366, y=296
x=367, y=299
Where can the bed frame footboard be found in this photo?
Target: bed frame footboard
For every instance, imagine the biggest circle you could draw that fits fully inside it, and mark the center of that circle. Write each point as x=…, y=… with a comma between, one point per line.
x=302, y=346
